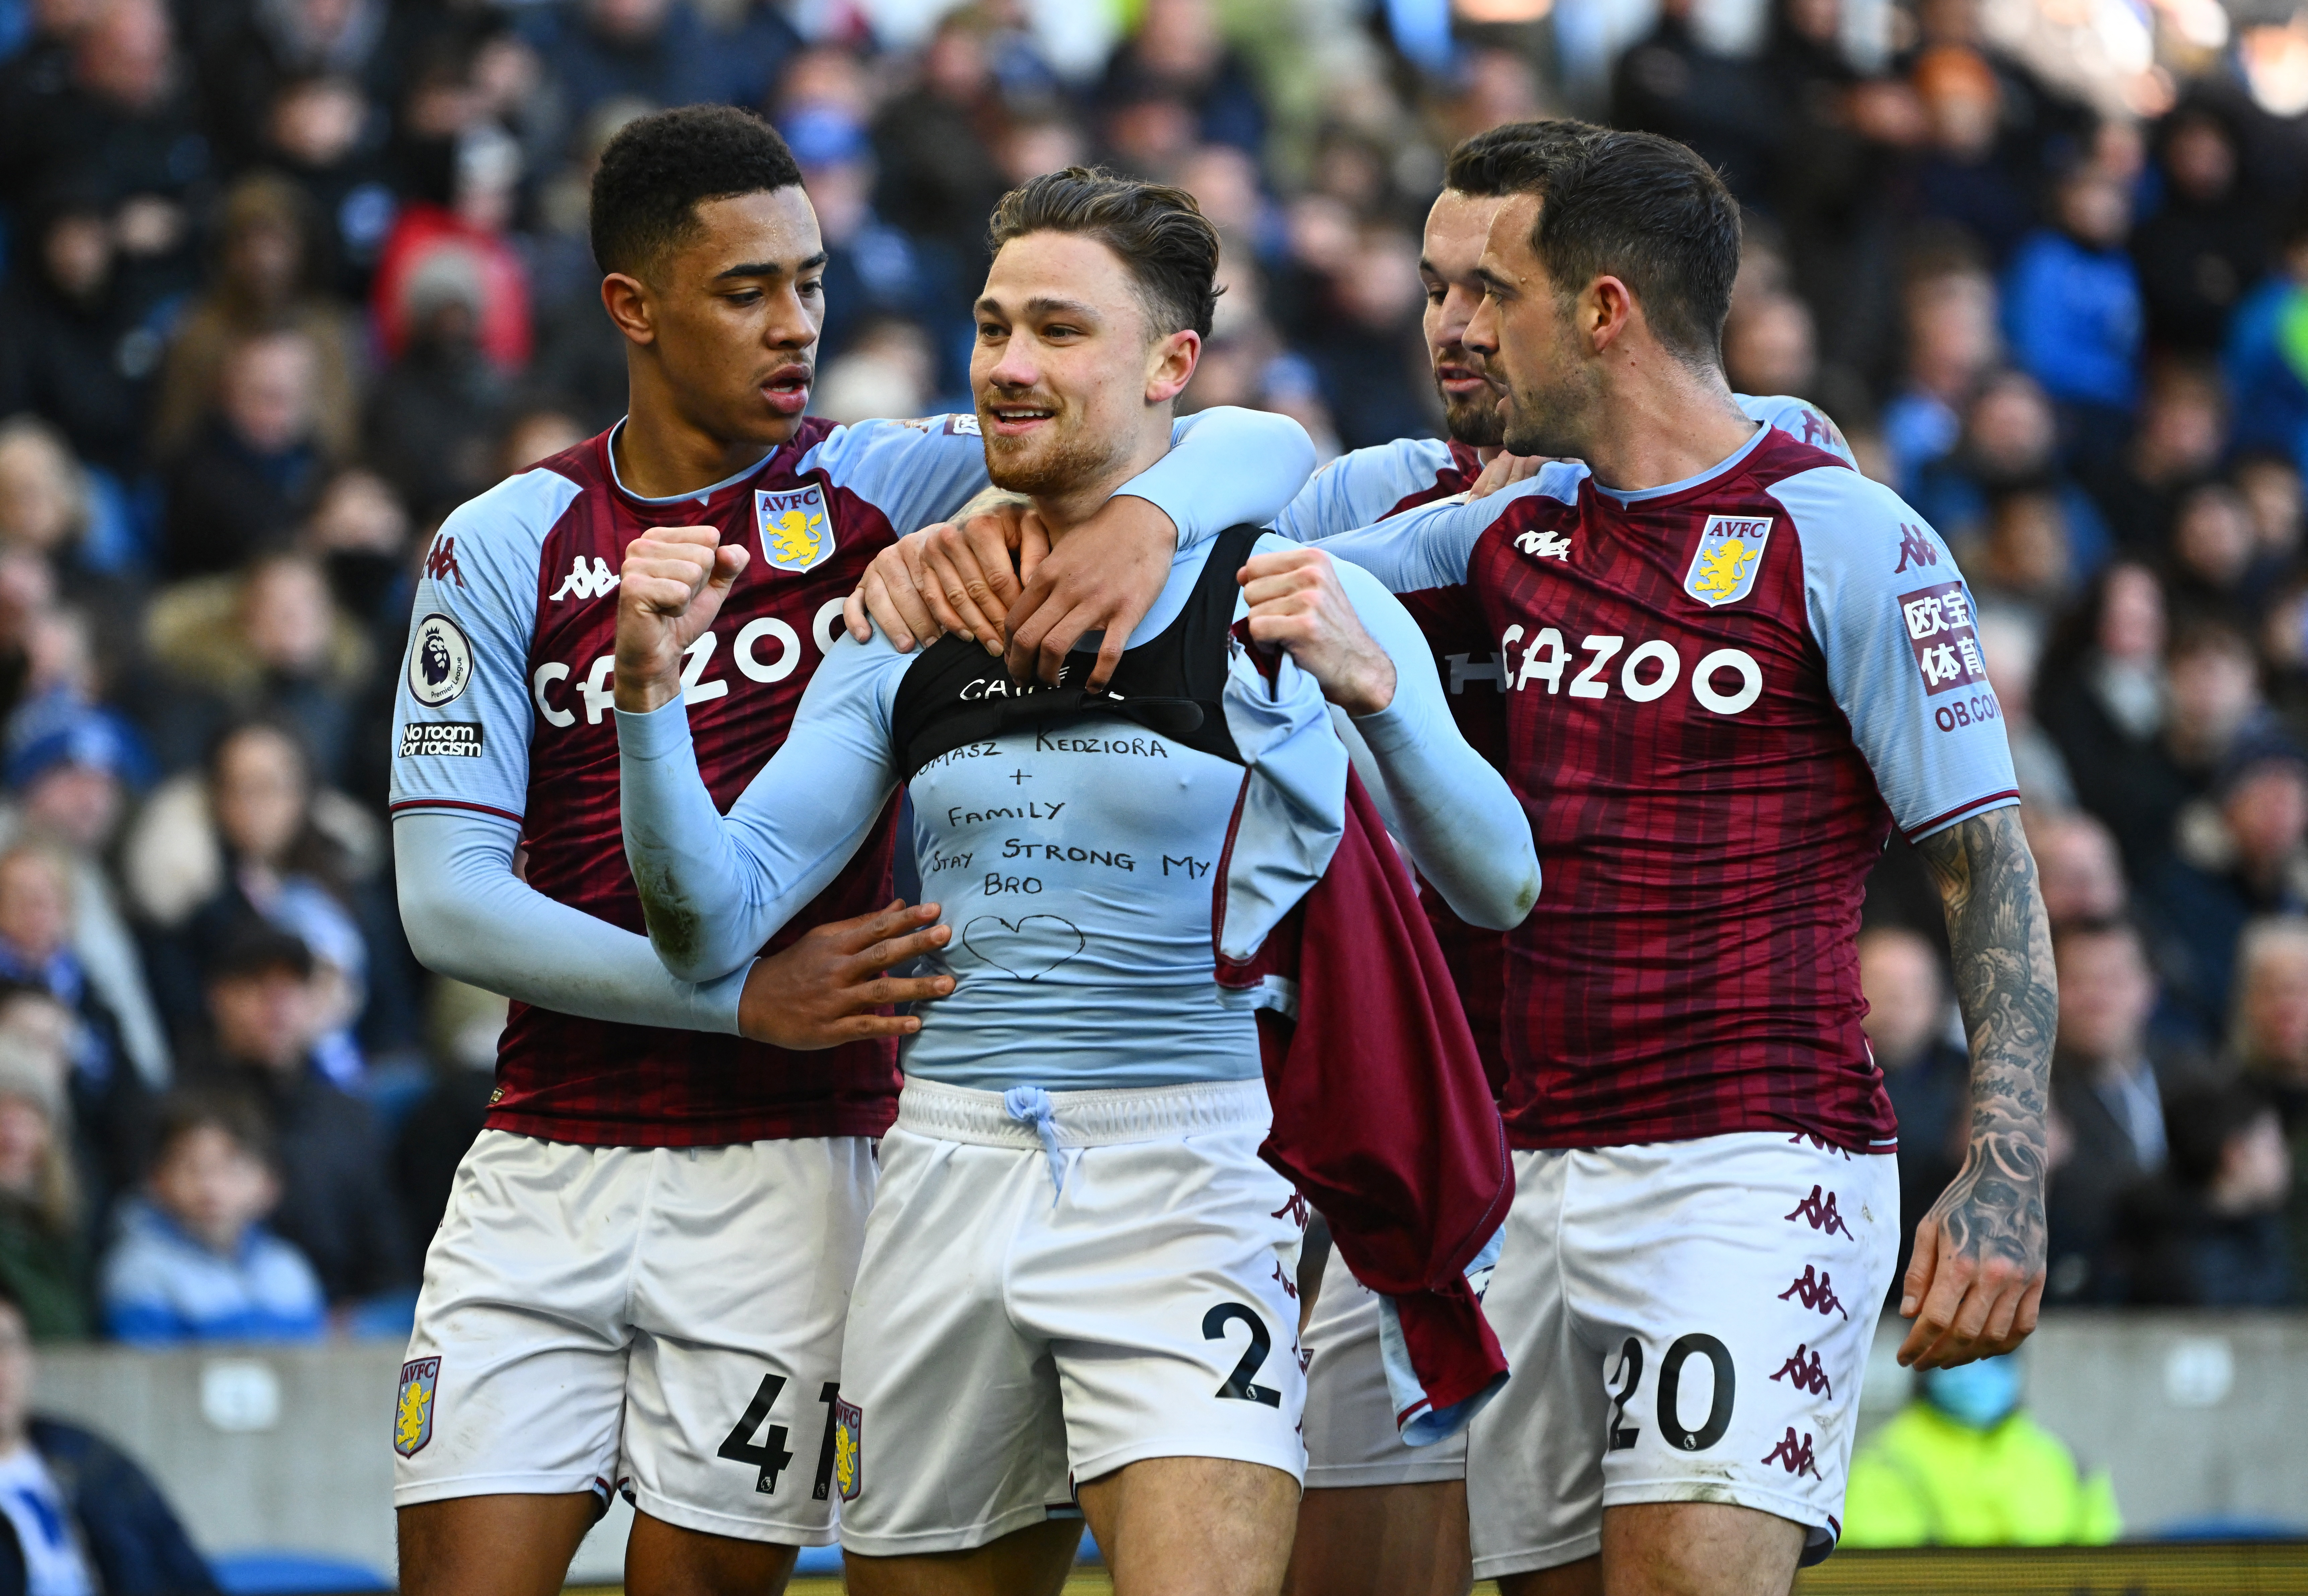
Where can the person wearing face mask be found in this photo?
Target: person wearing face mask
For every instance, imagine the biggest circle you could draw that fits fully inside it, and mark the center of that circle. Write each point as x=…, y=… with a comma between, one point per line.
x=1962, y=1464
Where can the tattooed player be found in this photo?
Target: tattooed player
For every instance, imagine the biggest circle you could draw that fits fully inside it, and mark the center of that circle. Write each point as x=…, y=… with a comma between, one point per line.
x=1731, y=664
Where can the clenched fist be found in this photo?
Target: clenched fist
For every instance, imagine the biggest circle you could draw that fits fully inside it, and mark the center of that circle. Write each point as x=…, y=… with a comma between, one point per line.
x=670, y=589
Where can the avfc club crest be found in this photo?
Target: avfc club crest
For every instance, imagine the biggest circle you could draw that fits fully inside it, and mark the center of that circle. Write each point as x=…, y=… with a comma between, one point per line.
x=848, y=1448
x=412, y=1422
x=796, y=531
x=440, y=661
x=1730, y=553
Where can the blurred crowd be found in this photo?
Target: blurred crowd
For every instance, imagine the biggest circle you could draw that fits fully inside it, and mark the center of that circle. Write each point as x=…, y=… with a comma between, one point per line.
x=285, y=280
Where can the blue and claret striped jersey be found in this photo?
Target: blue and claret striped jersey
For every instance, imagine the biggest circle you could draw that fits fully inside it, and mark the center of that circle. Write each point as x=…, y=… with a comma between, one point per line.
x=1721, y=694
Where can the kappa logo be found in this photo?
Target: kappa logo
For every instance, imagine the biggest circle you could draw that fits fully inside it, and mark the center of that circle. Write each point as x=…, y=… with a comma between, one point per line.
x=849, y=1448
x=412, y=1423
x=588, y=581
x=441, y=560
x=1915, y=548
x=1804, y=1372
x=1730, y=553
x=1295, y=1206
x=796, y=533
x=1819, y=1215
x=1817, y=1291
x=1793, y=1456
x=1544, y=545
x=1820, y=1143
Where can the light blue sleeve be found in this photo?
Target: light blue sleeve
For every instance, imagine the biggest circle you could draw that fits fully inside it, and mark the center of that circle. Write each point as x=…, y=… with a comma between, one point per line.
x=1358, y=489
x=461, y=718
x=1429, y=546
x=1460, y=822
x=713, y=889
x=1800, y=420
x=469, y=918
x=1226, y=467
x=1894, y=621
x=914, y=473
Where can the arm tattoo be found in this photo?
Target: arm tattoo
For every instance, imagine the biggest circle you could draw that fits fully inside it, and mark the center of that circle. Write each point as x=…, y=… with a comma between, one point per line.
x=2001, y=943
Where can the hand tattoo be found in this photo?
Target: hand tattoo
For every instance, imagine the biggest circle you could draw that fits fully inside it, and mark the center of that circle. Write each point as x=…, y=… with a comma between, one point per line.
x=2001, y=943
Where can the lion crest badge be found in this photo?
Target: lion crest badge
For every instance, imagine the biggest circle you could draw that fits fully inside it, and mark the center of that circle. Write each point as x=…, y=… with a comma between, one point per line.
x=848, y=1448
x=412, y=1421
x=796, y=531
x=1730, y=553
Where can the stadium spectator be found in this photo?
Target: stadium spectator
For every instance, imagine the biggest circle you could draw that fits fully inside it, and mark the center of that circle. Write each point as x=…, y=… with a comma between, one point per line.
x=450, y=241
x=2270, y=1045
x=43, y=1261
x=2102, y=699
x=2078, y=868
x=938, y=177
x=2270, y=375
x=1949, y=306
x=2247, y=861
x=2008, y=443
x=1973, y=172
x=248, y=476
x=1910, y=1025
x=74, y=349
x=2071, y=310
x=1179, y=55
x=337, y=1205
x=1675, y=81
x=2012, y=643
x=76, y=1514
x=439, y=405
x=262, y=284
x=1962, y=1464
x=67, y=788
x=192, y=1260
x=269, y=643
x=2211, y=1233
x=257, y=841
x=2108, y=1082
x=324, y=134
x=2182, y=430
x=2207, y=244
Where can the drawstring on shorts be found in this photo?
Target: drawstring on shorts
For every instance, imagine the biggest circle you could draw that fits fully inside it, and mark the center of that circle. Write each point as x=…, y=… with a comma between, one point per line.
x=1030, y=1104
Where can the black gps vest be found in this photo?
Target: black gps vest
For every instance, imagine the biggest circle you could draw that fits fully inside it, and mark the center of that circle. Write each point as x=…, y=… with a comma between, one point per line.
x=957, y=694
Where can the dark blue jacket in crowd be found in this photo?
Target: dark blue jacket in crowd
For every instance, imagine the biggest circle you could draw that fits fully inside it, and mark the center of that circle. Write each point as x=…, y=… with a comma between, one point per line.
x=134, y=1543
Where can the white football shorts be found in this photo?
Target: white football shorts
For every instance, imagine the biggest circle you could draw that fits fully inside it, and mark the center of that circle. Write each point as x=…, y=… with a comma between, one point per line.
x=1351, y=1435
x=1032, y=1314
x=1687, y=1321
x=665, y=1320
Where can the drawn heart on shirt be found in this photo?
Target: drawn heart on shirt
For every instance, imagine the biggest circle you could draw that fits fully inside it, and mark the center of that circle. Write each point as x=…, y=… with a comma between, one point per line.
x=1027, y=949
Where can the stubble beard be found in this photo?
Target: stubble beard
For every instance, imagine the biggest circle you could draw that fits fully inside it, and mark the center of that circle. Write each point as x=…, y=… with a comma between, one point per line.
x=1478, y=423
x=1049, y=467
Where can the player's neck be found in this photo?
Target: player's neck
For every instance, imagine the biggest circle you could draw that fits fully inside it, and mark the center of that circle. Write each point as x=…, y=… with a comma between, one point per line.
x=660, y=456
x=1662, y=425
x=1064, y=511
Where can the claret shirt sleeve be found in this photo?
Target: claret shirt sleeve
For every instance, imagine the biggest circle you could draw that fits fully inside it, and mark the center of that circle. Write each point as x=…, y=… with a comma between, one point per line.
x=1896, y=624
x=714, y=889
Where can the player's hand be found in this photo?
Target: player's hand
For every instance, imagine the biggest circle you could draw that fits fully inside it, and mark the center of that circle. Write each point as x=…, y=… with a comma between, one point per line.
x=1103, y=576
x=1296, y=600
x=825, y=989
x=1505, y=470
x=954, y=576
x=1976, y=1279
x=669, y=589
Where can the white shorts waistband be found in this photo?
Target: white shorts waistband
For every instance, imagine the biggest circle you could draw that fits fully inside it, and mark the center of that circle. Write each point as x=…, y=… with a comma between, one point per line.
x=1083, y=1119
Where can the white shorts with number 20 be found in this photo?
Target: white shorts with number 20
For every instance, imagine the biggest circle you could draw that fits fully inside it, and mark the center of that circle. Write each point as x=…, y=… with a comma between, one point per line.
x=1687, y=1322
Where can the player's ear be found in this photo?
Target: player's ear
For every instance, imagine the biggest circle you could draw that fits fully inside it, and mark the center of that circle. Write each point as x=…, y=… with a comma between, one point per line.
x=1606, y=310
x=1170, y=364
x=626, y=299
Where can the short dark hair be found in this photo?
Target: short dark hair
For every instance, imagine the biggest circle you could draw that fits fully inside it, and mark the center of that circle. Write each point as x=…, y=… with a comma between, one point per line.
x=183, y=1113
x=257, y=948
x=1514, y=156
x=1637, y=207
x=661, y=166
x=1158, y=229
